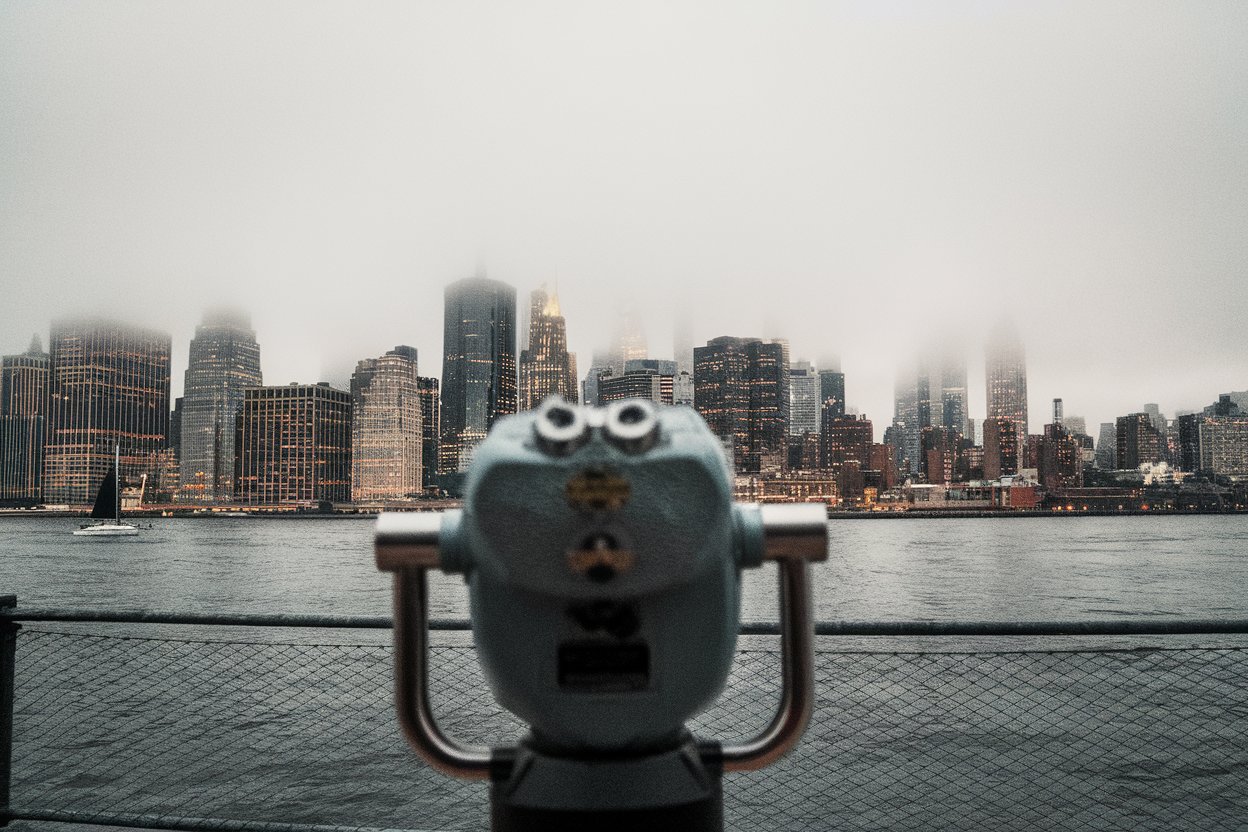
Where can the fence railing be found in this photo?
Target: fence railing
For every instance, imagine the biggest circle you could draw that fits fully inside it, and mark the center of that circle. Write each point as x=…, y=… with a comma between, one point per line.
x=247, y=724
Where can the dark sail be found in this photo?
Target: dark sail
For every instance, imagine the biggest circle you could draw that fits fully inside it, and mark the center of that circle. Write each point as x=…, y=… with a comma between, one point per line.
x=106, y=501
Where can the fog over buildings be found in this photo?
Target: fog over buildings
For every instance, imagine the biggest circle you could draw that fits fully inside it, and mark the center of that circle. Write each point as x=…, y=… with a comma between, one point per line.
x=870, y=180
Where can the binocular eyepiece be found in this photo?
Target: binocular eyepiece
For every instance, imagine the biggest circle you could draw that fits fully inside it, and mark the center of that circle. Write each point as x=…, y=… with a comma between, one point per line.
x=632, y=426
x=602, y=552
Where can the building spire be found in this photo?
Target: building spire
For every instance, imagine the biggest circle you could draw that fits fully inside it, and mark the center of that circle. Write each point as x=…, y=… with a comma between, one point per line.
x=552, y=303
x=36, y=345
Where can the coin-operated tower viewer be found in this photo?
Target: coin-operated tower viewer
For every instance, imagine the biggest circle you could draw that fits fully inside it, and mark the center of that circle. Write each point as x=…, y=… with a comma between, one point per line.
x=602, y=552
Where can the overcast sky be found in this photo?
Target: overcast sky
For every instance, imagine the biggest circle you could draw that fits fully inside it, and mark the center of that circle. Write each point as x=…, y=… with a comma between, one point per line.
x=872, y=179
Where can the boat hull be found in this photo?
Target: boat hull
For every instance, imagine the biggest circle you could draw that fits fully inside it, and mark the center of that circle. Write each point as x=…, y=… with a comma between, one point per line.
x=108, y=530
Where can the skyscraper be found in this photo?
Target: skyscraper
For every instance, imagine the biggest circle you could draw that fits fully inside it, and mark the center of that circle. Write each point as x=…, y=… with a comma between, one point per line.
x=387, y=427
x=1107, y=448
x=803, y=399
x=109, y=385
x=1006, y=370
x=478, y=366
x=644, y=378
x=628, y=342
x=832, y=392
x=1061, y=458
x=1223, y=442
x=911, y=413
x=1138, y=442
x=682, y=388
x=954, y=414
x=939, y=455
x=600, y=368
x=293, y=445
x=682, y=340
x=430, y=427
x=224, y=361
x=846, y=439
x=1003, y=447
x=23, y=422
x=738, y=386
x=546, y=366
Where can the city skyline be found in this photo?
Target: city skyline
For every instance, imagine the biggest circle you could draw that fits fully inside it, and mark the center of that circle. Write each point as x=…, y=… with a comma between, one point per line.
x=875, y=179
x=108, y=383
x=972, y=362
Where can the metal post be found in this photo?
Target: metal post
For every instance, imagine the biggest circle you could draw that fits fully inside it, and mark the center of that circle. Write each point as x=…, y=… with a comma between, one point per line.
x=8, y=649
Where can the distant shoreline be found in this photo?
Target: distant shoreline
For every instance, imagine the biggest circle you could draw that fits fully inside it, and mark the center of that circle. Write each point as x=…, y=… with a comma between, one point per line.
x=917, y=514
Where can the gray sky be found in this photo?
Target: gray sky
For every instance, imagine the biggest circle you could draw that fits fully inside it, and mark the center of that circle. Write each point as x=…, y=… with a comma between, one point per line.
x=875, y=177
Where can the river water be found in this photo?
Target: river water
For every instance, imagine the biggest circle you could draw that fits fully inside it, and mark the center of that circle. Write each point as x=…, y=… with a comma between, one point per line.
x=994, y=569
x=276, y=724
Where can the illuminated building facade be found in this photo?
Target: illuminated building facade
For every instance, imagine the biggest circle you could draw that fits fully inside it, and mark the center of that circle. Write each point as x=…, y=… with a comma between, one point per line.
x=628, y=342
x=1006, y=370
x=803, y=399
x=831, y=393
x=739, y=390
x=1223, y=444
x=23, y=423
x=546, y=366
x=387, y=428
x=108, y=385
x=1107, y=445
x=953, y=396
x=644, y=378
x=908, y=421
x=1138, y=442
x=1061, y=457
x=847, y=439
x=1003, y=447
x=224, y=361
x=431, y=428
x=939, y=457
x=478, y=366
x=293, y=445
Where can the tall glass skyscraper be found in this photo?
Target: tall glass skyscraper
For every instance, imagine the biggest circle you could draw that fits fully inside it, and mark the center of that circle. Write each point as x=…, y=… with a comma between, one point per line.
x=387, y=427
x=803, y=399
x=953, y=395
x=109, y=385
x=430, y=428
x=23, y=419
x=832, y=392
x=546, y=366
x=1006, y=369
x=739, y=389
x=224, y=361
x=478, y=366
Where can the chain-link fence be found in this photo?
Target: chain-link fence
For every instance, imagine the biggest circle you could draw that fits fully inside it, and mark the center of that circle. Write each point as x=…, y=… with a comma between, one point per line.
x=254, y=731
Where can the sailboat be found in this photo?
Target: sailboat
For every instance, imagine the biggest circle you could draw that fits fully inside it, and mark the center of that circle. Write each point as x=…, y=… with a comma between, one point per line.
x=107, y=506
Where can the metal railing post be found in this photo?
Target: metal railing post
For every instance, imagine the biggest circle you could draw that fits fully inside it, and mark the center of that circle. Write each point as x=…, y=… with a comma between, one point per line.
x=8, y=650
